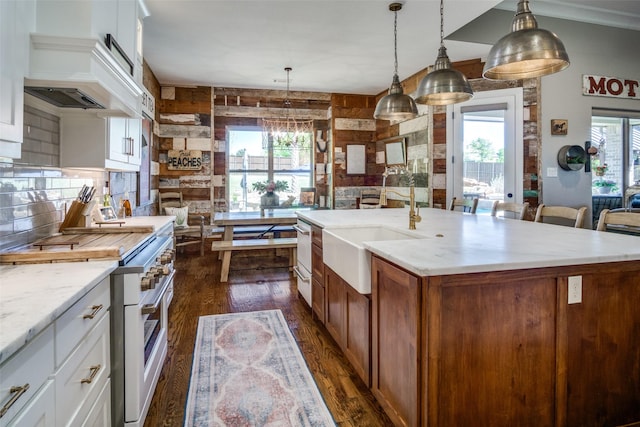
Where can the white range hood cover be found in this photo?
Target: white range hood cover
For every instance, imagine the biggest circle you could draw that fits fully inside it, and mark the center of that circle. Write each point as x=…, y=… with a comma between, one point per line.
x=86, y=65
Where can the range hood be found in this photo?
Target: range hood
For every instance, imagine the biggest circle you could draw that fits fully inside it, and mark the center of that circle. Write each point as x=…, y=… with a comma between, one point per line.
x=64, y=97
x=72, y=72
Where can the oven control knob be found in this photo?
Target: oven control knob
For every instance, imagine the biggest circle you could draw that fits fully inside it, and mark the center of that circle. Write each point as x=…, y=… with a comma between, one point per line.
x=167, y=256
x=147, y=283
x=166, y=270
x=156, y=276
x=156, y=271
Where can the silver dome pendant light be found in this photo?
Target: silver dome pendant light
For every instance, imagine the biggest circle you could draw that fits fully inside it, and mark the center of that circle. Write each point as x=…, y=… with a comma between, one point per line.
x=527, y=51
x=396, y=105
x=443, y=85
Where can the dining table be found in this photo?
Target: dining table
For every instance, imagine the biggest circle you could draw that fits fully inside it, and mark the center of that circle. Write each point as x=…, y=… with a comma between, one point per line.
x=270, y=218
x=262, y=223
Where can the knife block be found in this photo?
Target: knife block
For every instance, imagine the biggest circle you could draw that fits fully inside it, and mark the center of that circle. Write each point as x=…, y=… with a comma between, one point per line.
x=74, y=216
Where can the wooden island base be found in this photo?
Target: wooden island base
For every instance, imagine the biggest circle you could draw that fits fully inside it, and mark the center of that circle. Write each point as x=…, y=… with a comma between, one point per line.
x=506, y=348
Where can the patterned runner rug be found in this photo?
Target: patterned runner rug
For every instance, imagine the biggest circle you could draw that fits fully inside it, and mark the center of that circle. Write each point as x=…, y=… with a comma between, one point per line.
x=248, y=371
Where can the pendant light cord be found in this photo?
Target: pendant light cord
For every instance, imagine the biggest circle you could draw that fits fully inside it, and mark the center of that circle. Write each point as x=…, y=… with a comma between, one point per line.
x=441, y=23
x=395, y=41
x=287, y=102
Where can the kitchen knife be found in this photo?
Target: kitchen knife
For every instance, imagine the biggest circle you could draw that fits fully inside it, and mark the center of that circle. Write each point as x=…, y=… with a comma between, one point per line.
x=92, y=193
x=81, y=192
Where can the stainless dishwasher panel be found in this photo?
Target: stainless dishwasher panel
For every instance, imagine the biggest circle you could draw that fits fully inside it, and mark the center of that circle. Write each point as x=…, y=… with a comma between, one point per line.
x=303, y=269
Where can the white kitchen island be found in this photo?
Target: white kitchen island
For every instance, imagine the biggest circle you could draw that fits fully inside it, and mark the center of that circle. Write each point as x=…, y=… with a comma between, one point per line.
x=486, y=321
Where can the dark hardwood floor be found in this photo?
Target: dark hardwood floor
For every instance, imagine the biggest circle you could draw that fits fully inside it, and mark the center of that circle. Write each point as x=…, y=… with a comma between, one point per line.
x=254, y=284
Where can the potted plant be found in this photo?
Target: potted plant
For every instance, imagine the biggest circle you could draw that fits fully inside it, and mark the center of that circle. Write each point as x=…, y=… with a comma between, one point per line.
x=269, y=198
x=605, y=186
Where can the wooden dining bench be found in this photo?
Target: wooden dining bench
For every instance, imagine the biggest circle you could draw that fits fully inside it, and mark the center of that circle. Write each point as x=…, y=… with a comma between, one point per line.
x=228, y=246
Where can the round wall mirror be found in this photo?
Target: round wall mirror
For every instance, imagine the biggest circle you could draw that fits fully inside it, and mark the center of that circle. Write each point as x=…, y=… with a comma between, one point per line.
x=572, y=157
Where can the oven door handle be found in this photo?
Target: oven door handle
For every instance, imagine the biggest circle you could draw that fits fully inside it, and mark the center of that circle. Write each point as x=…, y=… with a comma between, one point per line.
x=152, y=308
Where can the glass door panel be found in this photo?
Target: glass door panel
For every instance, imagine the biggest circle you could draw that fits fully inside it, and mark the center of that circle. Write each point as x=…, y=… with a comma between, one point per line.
x=486, y=147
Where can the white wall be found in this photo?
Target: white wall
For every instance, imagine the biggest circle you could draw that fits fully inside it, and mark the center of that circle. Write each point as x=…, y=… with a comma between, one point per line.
x=595, y=50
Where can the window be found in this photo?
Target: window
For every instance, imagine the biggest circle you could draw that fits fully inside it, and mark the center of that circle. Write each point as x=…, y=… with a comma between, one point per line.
x=616, y=165
x=254, y=159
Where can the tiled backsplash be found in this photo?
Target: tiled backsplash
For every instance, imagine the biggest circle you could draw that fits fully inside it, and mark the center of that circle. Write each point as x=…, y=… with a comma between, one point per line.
x=33, y=200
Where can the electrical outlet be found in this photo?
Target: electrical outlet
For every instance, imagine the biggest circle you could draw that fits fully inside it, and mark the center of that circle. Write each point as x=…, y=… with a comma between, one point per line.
x=575, y=289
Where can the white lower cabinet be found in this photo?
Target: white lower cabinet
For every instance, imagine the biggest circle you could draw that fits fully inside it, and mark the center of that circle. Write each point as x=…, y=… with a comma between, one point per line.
x=22, y=377
x=82, y=377
x=100, y=413
x=40, y=411
x=62, y=376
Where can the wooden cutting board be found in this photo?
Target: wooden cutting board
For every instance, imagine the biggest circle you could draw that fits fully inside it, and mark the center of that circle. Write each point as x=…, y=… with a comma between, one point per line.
x=109, y=228
x=76, y=247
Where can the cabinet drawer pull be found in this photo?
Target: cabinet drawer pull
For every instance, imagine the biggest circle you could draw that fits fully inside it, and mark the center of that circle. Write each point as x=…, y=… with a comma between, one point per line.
x=96, y=309
x=17, y=391
x=94, y=371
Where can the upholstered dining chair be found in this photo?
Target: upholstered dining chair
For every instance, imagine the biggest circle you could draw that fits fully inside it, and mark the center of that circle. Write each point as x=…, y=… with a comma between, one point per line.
x=465, y=205
x=571, y=216
x=510, y=210
x=621, y=221
x=188, y=228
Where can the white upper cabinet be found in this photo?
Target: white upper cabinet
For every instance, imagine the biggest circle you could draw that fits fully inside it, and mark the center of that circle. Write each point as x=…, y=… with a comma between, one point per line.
x=94, y=19
x=17, y=20
x=89, y=141
x=125, y=140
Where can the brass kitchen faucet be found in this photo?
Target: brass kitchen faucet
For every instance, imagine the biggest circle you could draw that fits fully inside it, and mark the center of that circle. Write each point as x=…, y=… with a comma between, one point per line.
x=414, y=212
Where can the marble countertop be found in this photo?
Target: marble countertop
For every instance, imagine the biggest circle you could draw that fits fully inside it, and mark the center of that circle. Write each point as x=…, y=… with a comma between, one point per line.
x=32, y=296
x=452, y=242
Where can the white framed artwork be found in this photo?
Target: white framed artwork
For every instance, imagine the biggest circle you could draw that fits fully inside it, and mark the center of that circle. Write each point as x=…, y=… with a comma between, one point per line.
x=356, y=159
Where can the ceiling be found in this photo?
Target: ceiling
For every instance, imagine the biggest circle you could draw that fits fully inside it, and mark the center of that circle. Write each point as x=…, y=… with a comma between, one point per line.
x=339, y=47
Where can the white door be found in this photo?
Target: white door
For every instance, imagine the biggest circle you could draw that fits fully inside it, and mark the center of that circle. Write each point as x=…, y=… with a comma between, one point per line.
x=485, y=148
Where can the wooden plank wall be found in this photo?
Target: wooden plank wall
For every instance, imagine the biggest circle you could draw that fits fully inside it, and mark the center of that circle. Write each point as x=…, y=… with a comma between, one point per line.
x=197, y=118
x=185, y=123
x=352, y=122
